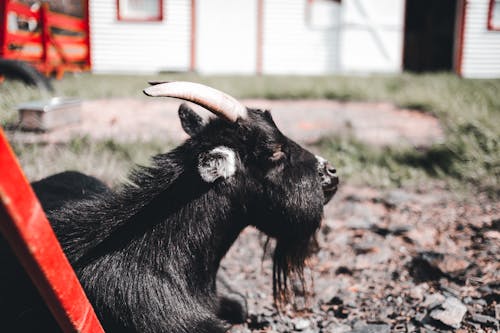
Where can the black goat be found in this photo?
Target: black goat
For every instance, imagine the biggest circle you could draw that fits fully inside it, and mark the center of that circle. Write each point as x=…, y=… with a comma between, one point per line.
x=147, y=255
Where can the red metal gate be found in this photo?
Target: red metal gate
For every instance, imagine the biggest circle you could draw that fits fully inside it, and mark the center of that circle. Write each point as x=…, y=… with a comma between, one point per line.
x=52, y=42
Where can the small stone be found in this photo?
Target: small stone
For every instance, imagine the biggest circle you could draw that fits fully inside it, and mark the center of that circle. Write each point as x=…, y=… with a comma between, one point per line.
x=356, y=222
x=428, y=329
x=410, y=327
x=451, y=312
x=400, y=229
x=396, y=198
x=468, y=300
x=309, y=330
x=481, y=302
x=485, y=320
x=417, y=293
x=424, y=237
x=493, y=234
x=452, y=264
x=301, y=324
x=433, y=300
x=420, y=316
x=337, y=328
x=372, y=328
x=428, y=266
x=358, y=324
x=476, y=326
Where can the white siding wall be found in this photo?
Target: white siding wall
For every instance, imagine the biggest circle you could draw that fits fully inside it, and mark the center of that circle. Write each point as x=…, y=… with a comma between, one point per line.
x=297, y=43
x=119, y=46
x=226, y=36
x=481, y=53
x=372, y=35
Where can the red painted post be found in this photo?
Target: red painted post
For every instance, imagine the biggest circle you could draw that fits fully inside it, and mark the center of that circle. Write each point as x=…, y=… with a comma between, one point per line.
x=24, y=225
x=3, y=25
x=45, y=29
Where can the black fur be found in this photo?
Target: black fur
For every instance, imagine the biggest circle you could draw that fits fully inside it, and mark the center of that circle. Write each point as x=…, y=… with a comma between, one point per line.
x=147, y=255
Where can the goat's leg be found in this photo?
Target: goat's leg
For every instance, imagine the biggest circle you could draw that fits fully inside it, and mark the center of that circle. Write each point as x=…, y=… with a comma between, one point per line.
x=232, y=306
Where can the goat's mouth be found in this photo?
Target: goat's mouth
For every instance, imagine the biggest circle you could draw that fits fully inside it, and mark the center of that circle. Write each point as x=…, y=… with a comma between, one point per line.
x=328, y=193
x=330, y=188
x=328, y=178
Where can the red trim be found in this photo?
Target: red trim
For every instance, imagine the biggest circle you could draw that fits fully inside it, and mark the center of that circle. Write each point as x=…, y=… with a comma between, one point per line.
x=158, y=18
x=192, y=64
x=460, y=40
x=44, y=10
x=87, y=21
x=25, y=227
x=490, y=17
x=260, y=36
x=3, y=26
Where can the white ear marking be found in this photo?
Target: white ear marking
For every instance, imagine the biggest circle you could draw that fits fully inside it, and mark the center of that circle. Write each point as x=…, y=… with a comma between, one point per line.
x=218, y=162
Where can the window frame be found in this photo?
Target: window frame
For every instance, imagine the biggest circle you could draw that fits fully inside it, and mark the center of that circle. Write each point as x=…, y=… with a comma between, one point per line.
x=491, y=26
x=121, y=18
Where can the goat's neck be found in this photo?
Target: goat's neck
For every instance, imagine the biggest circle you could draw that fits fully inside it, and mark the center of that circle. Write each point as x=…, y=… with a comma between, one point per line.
x=182, y=221
x=202, y=231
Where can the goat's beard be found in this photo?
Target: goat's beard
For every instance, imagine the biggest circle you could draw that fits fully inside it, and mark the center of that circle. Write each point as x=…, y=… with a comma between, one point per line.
x=289, y=260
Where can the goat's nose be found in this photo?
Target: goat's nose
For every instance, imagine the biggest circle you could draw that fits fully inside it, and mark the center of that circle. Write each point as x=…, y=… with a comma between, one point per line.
x=332, y=173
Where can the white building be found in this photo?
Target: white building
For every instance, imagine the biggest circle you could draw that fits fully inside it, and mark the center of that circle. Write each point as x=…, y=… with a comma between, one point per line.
x=296, y=36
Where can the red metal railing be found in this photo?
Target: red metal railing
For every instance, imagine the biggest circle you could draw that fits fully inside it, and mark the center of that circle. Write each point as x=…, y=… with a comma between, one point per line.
x=24, y=225
x=54, y=44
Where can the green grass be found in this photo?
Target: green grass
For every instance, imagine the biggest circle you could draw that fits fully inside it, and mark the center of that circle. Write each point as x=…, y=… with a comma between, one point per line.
x=469, y=111
x=106, y=159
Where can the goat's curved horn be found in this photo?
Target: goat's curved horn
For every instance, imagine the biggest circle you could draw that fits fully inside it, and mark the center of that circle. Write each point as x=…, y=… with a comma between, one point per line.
x=212, y=99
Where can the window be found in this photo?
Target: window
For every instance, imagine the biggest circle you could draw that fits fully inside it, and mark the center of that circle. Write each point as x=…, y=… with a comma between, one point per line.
x=494, y=15
x=140, y=10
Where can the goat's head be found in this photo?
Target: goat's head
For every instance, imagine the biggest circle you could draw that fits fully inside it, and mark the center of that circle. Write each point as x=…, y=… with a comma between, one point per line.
x=284, y=186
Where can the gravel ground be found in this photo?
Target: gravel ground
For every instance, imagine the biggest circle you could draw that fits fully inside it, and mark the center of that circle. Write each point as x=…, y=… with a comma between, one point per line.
x=394, y=261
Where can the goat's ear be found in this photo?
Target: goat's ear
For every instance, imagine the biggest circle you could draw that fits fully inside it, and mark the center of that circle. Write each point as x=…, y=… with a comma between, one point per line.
x=219, y=162
x=191, y=122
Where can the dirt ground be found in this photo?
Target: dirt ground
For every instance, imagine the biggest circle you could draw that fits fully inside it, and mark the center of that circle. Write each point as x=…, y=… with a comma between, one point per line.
x=303, y=120
x=388, y=261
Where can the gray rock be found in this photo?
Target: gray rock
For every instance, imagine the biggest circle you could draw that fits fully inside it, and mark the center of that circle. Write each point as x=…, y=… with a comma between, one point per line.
x=301, y=324
x=337, y=328
x=372, y=328
x=396, y=198
x=358, y=222
x=418, y=292
x=311, y=330
x=450, y=312
x=433, y=300
x=485, y=320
